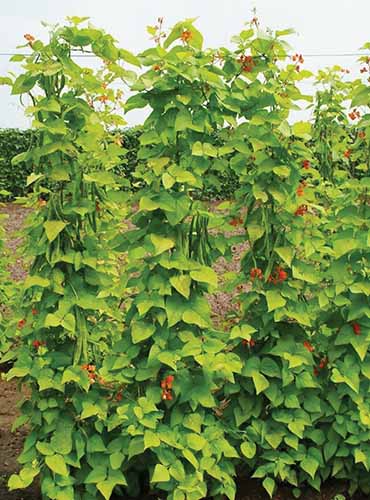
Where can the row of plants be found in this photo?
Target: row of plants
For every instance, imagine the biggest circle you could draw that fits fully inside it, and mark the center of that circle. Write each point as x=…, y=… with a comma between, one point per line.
x=132, y=386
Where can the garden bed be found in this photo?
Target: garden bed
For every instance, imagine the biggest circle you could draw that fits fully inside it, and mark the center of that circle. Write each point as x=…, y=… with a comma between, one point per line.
x=11, y=443
x=11, y=446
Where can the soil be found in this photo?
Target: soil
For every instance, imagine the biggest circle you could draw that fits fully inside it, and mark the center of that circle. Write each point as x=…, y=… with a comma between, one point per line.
x=11, y=443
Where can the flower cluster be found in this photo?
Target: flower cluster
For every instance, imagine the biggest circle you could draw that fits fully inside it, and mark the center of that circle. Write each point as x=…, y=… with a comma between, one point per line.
x=347, y=153
x=308, y=346
x=249, y=343
x=354, y=114
x=237, y=221
x=298, y=59
x=256, y=272
x=30, y=38
x=186, y=36
x=278, y=276
x=247, y=63
x=166, y=386
x=301, y=210
x=38, y=343
x=91, y=370
x=300, y=188
x=322, y=365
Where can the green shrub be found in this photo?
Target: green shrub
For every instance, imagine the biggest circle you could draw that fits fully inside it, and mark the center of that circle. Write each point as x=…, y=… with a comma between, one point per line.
x=13, y=178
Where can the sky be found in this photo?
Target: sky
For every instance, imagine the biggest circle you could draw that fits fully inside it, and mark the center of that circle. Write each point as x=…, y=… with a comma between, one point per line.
x=323, y=27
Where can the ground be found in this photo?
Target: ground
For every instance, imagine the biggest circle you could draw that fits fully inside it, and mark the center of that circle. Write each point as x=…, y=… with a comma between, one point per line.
x=11, y=443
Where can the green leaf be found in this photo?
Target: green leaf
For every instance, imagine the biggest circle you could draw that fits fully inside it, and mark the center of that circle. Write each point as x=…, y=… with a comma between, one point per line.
x=310, y=465
x=274, y=300
x=57, y=464
x=129, y=57
x=205, y=275
x=36, y=281
x=161, y=243
x=151, y=440
x=160, y=474
x=242, y=331
x=269, y=485
x=147, y=204
x=116, y=460
x=141, y=331
x=286, y=253
x=193, y=318
x=260, y=381
x=302, y=129
x=248, y=448
x=183, y=120
x=53, y=228
x=106, y=488
x=167, y=180
x=181, y=283
x=101, y=178
x=195, y=441
x=193, y=421
x=23, y=83
x=33, y=178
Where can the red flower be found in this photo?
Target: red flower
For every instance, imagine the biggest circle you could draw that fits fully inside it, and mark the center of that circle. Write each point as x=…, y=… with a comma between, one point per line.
x=301, y=210
x=252, y=343
x=247, y=63
x=356, y=328
x=166, y=385
x=354, y=114
x=34, y=311
x=156, y=67
x=316, y=371
x=97, y=206
x=300, y=190
x=306, y=164
x=236, y=222
x=169, y=381
x=323, y=363
x=308, y=346
x=167, y=395
x=282, y=275
x=22, y=323
x=256, y=272
x=186, y=36
x=103, y=98
x=119, y=396
x=347, y=153
x=278, y=276
x=38, y=343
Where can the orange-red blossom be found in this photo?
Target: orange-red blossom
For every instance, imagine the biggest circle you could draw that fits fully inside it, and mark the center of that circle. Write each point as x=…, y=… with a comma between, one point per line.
x=166, y=385
x=186, y=36
x=256, y=272
x=30, y=38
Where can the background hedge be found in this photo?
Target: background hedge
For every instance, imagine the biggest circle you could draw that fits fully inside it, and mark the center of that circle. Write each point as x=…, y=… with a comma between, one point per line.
x=221, y=185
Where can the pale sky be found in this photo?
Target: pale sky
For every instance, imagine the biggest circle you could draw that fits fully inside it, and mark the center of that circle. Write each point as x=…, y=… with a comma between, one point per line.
x=323, y=27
